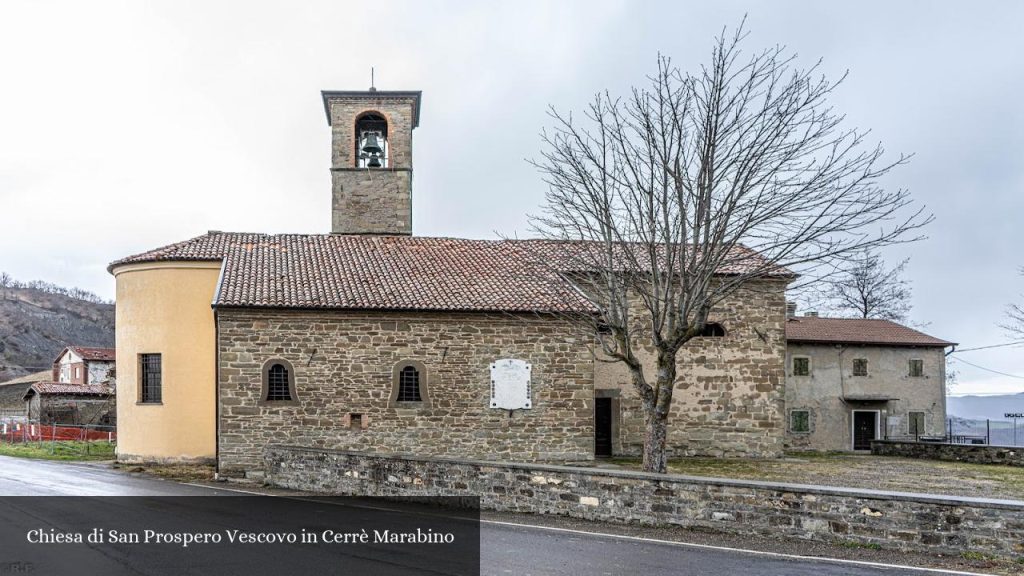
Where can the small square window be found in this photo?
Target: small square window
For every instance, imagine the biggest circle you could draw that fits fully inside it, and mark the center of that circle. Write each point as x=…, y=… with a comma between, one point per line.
x=916, y=368
x=916, y=423
x=799, y=421
x=801, y=366
x=860, y=366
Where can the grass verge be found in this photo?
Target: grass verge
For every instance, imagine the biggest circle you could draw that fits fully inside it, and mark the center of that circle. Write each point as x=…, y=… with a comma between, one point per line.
x=60, y=450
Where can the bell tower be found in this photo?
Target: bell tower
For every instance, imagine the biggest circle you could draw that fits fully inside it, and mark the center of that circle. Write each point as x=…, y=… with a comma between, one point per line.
x=371, y=160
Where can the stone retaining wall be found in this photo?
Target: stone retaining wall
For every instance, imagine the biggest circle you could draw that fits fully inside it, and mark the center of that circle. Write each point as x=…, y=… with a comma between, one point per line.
x=906, y=521
x=971, y=453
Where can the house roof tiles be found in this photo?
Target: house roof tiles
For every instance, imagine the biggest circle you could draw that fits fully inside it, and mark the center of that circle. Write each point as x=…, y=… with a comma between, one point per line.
x=51, y=388
x=94, y=354
x=857, y=331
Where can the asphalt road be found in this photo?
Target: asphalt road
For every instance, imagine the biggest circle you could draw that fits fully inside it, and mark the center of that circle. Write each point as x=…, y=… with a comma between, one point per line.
x=505, y=548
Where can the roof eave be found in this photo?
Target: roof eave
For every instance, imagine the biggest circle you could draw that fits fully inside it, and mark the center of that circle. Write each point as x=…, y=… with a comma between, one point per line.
x=416, y=95
x=871, y=343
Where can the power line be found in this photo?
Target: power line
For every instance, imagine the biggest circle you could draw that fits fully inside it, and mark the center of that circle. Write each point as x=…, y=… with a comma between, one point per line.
x=989, y=369
x=1015, y=343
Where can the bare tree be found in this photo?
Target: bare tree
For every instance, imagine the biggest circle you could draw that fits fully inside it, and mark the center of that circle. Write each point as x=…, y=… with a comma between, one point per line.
x=699, y=185
x=1015, y=318
x=867, y=289
x=5, y=283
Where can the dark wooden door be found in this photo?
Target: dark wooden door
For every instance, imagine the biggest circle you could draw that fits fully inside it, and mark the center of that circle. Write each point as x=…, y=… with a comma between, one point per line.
x=602, y=426
x=864, y=426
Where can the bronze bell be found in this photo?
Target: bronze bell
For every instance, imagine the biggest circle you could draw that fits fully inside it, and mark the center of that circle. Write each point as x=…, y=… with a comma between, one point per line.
x=370, y=144
x=374, y=162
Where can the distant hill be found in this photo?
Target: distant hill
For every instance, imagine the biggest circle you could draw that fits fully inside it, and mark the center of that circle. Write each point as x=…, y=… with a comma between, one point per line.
x=981, y=407
x=38, y=319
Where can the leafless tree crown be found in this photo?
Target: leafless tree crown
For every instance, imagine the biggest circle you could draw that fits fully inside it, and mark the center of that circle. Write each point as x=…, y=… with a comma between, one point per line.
x=867, y=289
x=697, y=184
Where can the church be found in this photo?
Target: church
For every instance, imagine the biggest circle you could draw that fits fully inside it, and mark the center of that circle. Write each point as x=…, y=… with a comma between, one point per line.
x=372, y=338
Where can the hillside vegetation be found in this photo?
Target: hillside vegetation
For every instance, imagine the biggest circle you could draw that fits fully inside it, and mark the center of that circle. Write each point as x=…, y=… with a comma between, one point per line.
x=38, y=319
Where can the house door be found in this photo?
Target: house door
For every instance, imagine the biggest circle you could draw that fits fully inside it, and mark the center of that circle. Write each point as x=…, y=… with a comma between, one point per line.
x=865, y=429
x=602, y=426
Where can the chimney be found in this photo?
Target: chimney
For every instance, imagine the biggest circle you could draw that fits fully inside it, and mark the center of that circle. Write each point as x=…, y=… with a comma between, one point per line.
x=790, y=309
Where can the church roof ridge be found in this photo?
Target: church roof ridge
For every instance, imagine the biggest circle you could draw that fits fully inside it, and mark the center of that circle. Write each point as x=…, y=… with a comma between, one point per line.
x=392, y=272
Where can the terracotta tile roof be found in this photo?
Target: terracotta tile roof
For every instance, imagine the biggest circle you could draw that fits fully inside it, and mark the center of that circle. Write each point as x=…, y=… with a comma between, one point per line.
x=380, y=272
x=95, y=354
x=50, y=388
x=857, y=331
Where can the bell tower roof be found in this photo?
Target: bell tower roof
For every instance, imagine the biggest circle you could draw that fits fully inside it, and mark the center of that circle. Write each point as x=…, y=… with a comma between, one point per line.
x=373, y=94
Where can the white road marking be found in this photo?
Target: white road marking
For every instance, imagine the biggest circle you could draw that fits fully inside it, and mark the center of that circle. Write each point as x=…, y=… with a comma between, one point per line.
x=658, y=541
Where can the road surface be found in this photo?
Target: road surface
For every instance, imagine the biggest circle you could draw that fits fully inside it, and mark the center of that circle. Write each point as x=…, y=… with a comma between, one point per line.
x=506, y=547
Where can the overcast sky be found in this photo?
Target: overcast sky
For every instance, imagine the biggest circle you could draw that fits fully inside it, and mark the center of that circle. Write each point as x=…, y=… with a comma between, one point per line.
x=130, y=125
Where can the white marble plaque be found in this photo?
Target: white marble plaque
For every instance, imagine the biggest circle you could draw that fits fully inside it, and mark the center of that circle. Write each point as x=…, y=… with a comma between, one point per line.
x=510, y=384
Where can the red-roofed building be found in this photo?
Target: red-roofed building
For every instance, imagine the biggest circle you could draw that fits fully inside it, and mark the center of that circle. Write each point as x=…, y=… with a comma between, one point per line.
x=370, y=338
x=84, y=365
x=852, y=380
x=78, y=390
x=75, y=404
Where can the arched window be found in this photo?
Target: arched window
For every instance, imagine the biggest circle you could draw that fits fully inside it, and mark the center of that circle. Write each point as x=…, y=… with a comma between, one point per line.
x=713, y=330
x=371, y=141
x=409, y=385
x=278, y=382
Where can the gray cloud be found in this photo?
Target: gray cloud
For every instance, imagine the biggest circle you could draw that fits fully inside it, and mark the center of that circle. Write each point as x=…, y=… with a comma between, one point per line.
x=129, y=125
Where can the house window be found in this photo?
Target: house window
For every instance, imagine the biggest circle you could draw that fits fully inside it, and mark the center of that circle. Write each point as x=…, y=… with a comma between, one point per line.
x=860, y=366
x=916, y=423
x=799, y=421
x=916, y=368
x=409, y=384
x=151, y=380
x=78, y=372
x=712, y=330
x=801, y=366
x=278, y=382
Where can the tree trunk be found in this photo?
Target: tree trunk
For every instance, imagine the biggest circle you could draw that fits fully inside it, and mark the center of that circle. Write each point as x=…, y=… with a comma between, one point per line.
x=656, y=411
x=655, y=436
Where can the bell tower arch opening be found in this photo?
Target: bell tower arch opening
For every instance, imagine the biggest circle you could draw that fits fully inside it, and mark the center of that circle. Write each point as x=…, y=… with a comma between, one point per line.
x=371, y=141
x=371, y=160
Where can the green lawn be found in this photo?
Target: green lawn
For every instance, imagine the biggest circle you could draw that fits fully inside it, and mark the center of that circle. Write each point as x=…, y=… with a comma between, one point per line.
x=60, y=450
x=859, y=471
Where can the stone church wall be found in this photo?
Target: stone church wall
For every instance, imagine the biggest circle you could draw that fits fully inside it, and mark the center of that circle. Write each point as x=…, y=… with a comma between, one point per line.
x=728, y=399
x=343, y=366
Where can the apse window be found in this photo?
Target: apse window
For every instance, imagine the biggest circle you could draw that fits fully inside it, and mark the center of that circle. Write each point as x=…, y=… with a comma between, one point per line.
x=860, y=367
x=150, y=379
